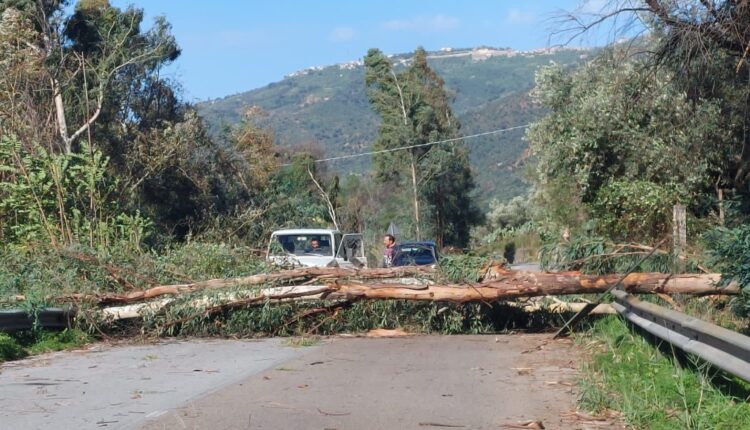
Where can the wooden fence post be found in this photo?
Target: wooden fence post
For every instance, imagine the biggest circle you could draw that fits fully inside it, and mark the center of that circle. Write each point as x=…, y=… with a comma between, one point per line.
x=679, y=236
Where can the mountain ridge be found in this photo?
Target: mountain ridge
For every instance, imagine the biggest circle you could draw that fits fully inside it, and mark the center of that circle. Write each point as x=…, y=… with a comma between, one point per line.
x=326, y=107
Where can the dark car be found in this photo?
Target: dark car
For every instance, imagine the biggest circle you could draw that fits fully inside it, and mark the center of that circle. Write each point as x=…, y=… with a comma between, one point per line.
x=414, y=253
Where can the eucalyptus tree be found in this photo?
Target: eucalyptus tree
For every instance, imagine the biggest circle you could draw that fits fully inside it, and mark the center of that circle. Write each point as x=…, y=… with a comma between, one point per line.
x=415, y=112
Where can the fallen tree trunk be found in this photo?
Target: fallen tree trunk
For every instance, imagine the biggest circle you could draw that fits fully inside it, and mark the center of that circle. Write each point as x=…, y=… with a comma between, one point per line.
x=576, y=283
x=515, y=285
x=504, y=285
x=308, y=292
x=526, y=284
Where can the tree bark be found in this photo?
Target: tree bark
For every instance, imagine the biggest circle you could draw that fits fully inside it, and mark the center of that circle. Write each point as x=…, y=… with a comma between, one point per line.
x=516, y=285
x=415, y=196
x=304, y=274
x=348, y=284
x=329, y=204
x=62, y=124
x=526, y=284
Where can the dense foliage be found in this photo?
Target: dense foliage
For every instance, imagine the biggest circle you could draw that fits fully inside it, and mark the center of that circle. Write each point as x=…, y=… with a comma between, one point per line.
x=97, y=147
x=615, y=146
x=660, y=120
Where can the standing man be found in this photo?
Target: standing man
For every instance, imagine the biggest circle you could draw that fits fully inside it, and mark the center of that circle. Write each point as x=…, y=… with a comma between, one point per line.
x=390, y=242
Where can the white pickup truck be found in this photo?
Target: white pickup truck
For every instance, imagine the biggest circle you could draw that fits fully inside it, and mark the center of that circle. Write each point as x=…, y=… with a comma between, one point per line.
x=308, y=247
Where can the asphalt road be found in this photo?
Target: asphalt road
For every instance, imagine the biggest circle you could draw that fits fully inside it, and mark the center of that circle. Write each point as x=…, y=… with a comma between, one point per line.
x=119, y=387
x=415, y=382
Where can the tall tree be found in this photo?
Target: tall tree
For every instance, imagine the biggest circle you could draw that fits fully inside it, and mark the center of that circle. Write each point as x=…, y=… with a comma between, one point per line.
x=705, y=47
x=415, y=111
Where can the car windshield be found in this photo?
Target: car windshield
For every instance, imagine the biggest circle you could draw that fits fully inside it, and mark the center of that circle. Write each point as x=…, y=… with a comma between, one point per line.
x=406, y=255
x=302, y=244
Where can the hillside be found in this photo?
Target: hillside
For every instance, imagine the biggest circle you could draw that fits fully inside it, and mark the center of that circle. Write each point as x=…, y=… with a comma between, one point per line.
x=327, y=107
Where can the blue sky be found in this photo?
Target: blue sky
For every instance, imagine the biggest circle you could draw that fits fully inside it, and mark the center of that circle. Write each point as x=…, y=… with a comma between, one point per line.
x=234, y=46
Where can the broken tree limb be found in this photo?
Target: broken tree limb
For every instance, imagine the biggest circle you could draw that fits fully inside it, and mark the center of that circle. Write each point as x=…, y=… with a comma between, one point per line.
x=562, y=307
x=265, y=278
x=138, y=310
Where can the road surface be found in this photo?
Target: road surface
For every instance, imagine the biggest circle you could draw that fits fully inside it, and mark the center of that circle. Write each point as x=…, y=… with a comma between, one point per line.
x=414, y=382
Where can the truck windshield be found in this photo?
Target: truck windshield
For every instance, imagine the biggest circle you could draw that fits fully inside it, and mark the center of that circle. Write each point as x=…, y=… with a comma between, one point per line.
x=302, y=244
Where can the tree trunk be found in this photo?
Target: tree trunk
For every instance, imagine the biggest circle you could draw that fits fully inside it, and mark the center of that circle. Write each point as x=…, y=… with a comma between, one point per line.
x=516, y=285
x=415, y=196
x=532, y=285
x=510, y=285
x=62, y=124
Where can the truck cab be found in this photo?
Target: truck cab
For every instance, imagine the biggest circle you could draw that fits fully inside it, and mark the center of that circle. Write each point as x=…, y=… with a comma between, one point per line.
x=316, y=248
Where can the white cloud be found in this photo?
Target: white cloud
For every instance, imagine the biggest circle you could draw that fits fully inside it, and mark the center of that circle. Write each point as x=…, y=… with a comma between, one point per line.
x=518, y=16
x=423, y=24
x=342, y=34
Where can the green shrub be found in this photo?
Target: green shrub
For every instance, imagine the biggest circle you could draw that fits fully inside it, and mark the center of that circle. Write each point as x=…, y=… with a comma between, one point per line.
x=634, y=210
x=47, y=341
x=597, y=255
x=10, y=349
x=729, y=252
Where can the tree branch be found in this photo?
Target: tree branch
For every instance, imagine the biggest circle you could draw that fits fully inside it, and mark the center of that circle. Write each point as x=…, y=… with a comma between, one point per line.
x=331, y=208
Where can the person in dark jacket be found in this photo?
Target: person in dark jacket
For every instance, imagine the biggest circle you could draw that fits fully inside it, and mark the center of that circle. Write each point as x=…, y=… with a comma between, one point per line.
x=390, y=242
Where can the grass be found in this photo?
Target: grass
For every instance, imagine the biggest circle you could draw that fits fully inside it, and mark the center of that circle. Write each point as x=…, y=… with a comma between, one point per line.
x=647, y=384
x=22, y=344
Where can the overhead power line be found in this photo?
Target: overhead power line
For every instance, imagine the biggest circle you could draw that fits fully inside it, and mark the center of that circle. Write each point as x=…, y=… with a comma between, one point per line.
x=420, y=145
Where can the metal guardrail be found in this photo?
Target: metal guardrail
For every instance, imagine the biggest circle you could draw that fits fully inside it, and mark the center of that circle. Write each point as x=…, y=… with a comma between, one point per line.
x=18, y=319
x=725, y=349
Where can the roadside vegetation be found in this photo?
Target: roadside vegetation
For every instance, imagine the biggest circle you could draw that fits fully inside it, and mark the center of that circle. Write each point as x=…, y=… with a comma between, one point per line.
x=21, y=344
x=652, y=386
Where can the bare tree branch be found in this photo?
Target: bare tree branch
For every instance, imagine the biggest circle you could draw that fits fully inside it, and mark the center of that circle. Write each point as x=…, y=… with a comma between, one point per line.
x=331, y=208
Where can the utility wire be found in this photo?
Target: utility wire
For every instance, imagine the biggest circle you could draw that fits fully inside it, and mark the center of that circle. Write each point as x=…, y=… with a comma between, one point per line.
x=383, y=151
